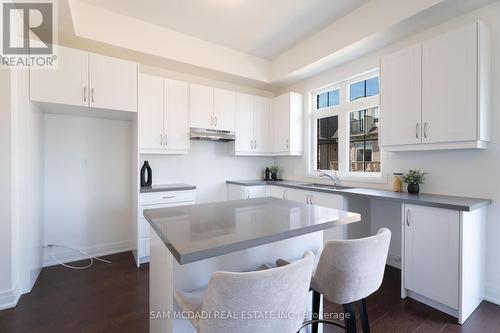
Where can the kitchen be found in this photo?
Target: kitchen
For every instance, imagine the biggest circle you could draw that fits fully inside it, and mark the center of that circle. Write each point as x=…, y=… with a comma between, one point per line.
x=79, y=136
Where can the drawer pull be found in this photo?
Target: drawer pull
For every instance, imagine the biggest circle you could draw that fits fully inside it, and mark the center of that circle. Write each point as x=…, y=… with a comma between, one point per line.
x=169, y=197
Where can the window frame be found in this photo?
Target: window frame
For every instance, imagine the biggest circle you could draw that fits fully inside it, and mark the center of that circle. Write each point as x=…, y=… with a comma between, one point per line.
x=343, y=111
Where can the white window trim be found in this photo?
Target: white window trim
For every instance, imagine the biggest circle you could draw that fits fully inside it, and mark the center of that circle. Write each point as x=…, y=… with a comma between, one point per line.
x=342, y=111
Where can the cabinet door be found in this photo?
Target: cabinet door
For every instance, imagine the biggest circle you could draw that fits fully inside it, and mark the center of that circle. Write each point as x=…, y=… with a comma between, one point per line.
x=113, y=83
x=431, y=253
x=224, y=109
x=276, y=192
x=261, y=124
x=297, y=195
x=256, y=191
x=150, y=114
x=67, y=84
x=325, y=200
x=244, y=123
x=176, y=115
x=401, y=98
x=281, y=124
x=449, y=104
x=201, y=106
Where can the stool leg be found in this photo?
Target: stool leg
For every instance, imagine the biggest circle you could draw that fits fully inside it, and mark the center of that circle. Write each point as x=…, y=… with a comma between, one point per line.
x=316, y=299
x=350, y=323
x=364, y=316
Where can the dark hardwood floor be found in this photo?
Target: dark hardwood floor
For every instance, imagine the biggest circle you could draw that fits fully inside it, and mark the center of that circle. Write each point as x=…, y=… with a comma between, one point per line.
x=114, y=298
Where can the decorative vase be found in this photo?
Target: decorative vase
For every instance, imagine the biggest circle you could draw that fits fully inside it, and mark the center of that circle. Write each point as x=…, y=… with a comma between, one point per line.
x=413, y=188
x=146, y=168
x=274, y=175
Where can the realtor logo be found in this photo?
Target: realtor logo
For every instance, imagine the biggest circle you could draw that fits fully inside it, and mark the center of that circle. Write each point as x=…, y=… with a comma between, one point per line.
x=28, y=31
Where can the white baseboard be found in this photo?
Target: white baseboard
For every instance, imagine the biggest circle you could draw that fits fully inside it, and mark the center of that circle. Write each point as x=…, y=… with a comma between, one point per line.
x=9, y=298
x=67, y=255
x=492, y=294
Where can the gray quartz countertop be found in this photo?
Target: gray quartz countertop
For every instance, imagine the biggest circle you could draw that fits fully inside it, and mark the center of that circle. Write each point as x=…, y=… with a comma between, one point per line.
x=202, y=231
x=424, y=199
x=167, y=187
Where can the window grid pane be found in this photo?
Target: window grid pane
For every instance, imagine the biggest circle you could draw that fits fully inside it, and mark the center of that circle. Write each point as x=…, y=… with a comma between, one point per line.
x=327, y=143
x=364, y=150
x=327, y=99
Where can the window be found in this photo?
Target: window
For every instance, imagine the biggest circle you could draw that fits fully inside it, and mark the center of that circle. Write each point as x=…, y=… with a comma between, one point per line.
x=364, y=151
x=328, y=143
x=365, y=88
x=345, y=128
x=328, y=99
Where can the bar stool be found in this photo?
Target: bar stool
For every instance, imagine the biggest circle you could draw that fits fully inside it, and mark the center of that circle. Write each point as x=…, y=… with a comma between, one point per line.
x=258, y=299
x=348, y=271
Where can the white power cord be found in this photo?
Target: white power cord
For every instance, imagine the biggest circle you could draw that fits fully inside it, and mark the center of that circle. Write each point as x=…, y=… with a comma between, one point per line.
x=89, y=257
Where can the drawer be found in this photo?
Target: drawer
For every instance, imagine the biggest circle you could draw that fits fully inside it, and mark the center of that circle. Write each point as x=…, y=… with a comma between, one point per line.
x=143, y=248
x=140, y=213
x=143, y=228
x=155, y=198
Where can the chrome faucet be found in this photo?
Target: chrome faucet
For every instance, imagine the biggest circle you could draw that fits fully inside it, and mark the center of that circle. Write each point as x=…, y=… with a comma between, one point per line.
x=335, y=179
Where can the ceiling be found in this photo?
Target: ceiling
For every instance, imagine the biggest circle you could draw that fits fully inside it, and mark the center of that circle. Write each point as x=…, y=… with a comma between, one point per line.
x=263, y=28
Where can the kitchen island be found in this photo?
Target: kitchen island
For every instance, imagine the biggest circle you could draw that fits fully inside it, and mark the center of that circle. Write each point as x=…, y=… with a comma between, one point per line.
x=189, y=243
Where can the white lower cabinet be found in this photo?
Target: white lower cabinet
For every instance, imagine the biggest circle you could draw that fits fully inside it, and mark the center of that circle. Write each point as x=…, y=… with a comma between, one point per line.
x=443, y=258
x=156, y=200
x=238, y=192
x=321, y=199
x=432, y=253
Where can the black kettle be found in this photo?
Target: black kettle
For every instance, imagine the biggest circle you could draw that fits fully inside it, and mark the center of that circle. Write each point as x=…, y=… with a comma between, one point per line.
x=146, y=168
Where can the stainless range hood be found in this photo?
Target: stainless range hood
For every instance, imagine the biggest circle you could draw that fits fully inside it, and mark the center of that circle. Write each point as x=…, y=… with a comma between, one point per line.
x=211, y=134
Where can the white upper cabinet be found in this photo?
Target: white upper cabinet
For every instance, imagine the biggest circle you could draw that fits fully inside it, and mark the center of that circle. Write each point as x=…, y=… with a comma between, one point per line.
x=445, y=103
x=224, y=110
x=176, y=115
x=287, y=124
x=67, y=84
x=113, y=83
x=150, y=112
x=201, y=106
x=83, y=79
x=261, y=124
x=252, y=125
x=450, y=81
x=163, y=115
x=401, y=98
x=212, y=108
x=244, y=124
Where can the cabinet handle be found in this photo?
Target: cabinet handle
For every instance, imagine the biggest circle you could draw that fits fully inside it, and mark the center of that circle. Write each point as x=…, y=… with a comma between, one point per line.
x=408, y=217
x=416, y=130
x=215, y=121
x=311, y=199
x=169, y=197
x=287, y=143
x=166, y=139
x=254, y=144
x=92, y=94
x=85, y=94
x=425, y=130
x=161, y=139
x=248, y=194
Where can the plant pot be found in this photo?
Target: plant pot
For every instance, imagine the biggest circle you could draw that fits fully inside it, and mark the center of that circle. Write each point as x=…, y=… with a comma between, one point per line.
x=413, y=188
x=274, y=175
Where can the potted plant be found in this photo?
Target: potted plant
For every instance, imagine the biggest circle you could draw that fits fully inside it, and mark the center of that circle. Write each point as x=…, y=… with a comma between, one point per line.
x=414, y=178
x=274, y=172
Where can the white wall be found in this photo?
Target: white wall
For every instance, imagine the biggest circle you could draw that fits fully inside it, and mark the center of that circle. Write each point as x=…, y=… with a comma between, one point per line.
x=207, y=166
x=463, y=173
x=87, y=185
x=6, y=259
x=27, y=182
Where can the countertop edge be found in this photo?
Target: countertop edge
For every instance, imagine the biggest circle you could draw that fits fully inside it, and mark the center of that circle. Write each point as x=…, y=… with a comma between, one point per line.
x=458, y=207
